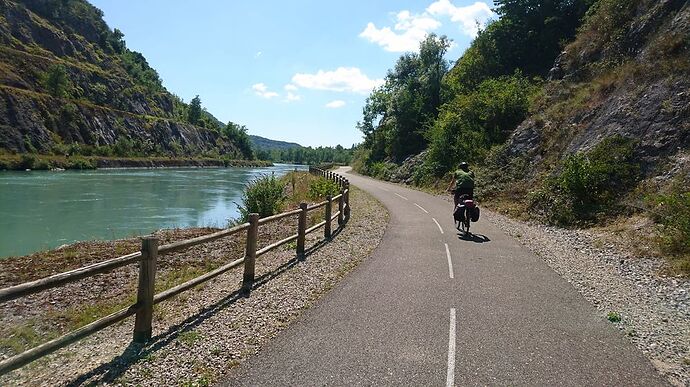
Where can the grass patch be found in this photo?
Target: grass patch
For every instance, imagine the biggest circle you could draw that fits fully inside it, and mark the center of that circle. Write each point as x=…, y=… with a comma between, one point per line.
x=188, y=338
x=613, y=317
x=21, y=337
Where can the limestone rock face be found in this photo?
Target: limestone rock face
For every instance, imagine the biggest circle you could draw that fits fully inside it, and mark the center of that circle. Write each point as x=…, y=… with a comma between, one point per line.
x=642, y=91
x=112, y=93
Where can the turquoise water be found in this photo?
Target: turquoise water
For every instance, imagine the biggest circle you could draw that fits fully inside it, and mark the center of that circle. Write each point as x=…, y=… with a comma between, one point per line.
x=41, y=210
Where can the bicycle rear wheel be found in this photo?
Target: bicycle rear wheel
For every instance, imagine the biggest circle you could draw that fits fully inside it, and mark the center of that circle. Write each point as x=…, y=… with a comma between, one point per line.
x=465, y=222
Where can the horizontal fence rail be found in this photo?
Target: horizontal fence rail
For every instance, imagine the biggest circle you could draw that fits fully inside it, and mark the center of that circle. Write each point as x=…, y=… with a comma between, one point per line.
x=147, y=259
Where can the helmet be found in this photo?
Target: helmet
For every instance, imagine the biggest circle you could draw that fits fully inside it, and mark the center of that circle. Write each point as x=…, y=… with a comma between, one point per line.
x=464, y=166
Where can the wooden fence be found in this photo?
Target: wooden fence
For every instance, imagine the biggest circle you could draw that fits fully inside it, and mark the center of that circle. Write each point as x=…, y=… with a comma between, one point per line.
x=148, y=256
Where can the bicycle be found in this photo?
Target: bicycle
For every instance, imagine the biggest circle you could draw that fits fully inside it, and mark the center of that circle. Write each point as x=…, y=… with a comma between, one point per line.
x=464, y=213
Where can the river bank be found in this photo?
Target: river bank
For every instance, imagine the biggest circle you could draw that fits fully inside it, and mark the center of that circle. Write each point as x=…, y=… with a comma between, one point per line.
x=198, y=335
x=50, y=162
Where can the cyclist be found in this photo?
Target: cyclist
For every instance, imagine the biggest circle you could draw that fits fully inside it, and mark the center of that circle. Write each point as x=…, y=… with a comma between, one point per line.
x=462, y=183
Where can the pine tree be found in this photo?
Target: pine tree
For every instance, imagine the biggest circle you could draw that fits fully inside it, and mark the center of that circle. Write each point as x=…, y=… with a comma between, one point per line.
x=194, y=112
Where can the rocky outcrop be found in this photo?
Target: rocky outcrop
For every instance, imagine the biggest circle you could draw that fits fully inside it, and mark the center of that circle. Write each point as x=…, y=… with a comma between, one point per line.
x=28, y=120
x=111, y=95
x=597, y=92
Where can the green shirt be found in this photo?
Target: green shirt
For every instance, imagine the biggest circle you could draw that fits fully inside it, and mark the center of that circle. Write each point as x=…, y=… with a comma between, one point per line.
x=463, y=179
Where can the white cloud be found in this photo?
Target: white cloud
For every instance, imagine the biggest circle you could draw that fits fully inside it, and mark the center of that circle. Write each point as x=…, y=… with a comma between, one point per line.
x=341, y=79
x=410, y=29
x=468, y=17
x=262, y=91
x=290, y=87
x=292, y=97
x=335, y=104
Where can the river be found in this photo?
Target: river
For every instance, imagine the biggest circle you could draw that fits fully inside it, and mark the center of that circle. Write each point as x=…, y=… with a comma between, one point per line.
x=40, y=210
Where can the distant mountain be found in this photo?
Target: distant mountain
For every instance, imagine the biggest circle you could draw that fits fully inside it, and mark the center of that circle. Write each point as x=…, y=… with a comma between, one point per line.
x=262, y=143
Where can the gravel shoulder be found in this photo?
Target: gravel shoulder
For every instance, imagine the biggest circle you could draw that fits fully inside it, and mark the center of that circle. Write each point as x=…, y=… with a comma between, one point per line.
x=203, y=333
x=654, y=308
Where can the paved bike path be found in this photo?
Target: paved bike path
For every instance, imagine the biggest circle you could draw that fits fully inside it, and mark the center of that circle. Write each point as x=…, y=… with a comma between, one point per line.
x=400, y=319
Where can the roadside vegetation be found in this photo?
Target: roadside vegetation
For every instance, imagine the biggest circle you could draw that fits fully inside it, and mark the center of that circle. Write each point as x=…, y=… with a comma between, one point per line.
x=546, y=66
x=671, y=211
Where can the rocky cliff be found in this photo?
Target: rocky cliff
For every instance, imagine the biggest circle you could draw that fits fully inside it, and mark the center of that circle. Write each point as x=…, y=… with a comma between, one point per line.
x=626, y=74
x=105, y=94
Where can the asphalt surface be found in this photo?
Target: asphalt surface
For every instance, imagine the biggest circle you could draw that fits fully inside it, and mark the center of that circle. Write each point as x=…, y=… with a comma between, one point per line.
x=390, y=321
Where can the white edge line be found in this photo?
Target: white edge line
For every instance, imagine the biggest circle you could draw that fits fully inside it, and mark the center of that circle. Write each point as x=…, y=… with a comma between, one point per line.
x=450, y=376
x=439, y=226
x=421, y=208
x=401, y=196
x=450, y=262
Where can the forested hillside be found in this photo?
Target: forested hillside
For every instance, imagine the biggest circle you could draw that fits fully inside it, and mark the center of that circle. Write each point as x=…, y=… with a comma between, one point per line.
x=307, y=155
x=70, y=85
x=570, y=111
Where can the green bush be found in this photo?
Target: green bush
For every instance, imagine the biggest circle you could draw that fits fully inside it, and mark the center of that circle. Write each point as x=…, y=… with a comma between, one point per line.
x=672, y=213
x=321, y=187
x=27, y=161
x=263, y=195
x=79, y=163
x=381, y=170
x=42, y=164
x=588, y=184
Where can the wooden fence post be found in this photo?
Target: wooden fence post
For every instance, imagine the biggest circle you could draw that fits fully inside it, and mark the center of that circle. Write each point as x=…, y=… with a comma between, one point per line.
x=301, y=230
x=341, y=207
x=327, y=218
x=347, y=201
x=146, y=290
x=250, y=253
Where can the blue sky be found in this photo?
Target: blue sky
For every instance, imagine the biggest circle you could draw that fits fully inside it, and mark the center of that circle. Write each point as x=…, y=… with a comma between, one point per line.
x=289, y=70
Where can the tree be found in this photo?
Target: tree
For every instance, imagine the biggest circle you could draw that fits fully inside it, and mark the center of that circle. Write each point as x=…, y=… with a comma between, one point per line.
x=117, y=41
x=194, y=112
x=397, y=115
x=237, y=134
x=56, y=81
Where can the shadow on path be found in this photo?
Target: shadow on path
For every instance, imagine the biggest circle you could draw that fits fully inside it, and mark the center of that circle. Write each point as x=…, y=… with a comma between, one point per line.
x=111, y=371
x=476, y=238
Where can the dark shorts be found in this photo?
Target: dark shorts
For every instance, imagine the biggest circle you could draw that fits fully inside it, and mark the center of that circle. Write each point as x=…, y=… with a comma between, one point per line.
x=462, y=191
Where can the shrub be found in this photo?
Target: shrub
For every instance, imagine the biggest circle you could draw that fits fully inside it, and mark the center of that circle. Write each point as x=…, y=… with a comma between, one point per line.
x=381, y=170
x=321, y=187
x=56, y=81
x=27, y=161
x=42, y=164
x=79, y=163
x=672, y=213
x=263, y=195
x=588, y=184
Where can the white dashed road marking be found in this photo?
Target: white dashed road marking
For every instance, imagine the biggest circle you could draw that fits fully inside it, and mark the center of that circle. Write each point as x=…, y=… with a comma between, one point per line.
x=421, y=208
x=450, y=376
x=439, y=226
x=401, y=196
x=450, y=262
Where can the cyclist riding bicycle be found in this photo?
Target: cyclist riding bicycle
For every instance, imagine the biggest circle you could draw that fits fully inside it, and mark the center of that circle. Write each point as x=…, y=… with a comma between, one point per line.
x=462, y=183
